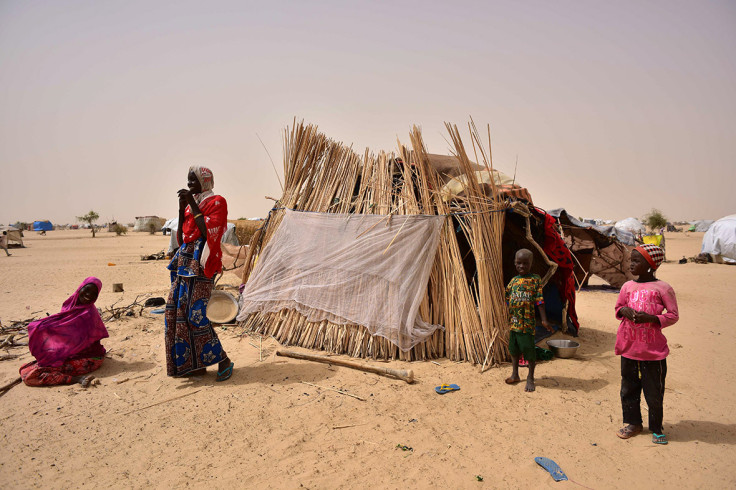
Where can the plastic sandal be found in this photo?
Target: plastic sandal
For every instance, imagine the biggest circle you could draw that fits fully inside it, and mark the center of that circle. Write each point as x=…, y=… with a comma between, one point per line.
x=442, y=389
x=552, y=467
x=659, y=438
x=627, y=432
x=225, y=374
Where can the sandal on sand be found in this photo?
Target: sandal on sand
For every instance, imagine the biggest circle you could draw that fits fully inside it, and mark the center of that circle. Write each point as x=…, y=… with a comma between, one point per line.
x=225, y=374
x=442, y=389
x=659, y=438
x=628, y=431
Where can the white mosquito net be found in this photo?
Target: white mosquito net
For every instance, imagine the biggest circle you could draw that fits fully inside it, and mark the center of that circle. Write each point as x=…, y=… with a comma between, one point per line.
x=370, y=270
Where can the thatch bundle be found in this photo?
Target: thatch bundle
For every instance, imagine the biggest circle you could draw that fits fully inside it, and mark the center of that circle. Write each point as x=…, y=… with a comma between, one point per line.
x=325, y=176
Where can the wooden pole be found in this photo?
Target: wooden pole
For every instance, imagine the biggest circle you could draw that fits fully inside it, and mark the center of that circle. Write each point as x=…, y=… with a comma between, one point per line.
x=406, y=375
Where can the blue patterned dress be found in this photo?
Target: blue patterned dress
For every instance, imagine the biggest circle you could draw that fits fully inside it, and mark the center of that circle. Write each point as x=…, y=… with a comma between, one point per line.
x=191, y=342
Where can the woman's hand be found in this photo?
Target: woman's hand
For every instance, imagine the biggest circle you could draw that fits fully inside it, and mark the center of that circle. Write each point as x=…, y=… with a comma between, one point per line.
x=182, y=193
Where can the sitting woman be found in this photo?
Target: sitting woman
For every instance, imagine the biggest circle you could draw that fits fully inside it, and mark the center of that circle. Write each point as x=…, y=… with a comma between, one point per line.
x=67, y=345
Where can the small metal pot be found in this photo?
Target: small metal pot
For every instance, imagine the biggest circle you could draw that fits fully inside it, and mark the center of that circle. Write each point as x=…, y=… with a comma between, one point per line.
x=563, y=349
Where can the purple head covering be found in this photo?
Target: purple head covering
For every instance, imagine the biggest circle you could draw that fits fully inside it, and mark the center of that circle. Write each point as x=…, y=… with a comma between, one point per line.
x=56, y=338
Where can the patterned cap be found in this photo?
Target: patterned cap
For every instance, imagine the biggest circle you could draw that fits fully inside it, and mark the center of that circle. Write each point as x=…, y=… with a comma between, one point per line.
x=652, y=254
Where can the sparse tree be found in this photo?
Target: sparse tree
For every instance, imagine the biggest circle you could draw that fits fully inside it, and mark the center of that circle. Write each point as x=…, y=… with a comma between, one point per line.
x=89, y=218
x=655, y=219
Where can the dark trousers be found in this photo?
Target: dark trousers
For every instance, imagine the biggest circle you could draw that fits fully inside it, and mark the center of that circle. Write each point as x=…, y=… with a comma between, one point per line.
x=648, y=376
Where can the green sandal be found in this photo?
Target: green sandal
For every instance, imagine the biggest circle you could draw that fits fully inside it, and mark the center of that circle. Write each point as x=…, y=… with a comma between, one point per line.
x=659, y=438
x=225, y=374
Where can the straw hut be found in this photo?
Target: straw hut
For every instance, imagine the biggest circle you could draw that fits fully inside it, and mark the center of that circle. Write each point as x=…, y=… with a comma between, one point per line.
x=380, y=202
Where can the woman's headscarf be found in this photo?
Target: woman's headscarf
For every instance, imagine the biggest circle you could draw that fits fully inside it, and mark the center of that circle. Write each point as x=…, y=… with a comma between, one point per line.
x=56, y=338
x=204, y=176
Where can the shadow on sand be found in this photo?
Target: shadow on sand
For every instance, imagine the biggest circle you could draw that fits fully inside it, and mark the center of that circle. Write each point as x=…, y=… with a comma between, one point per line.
x=702, y=431
x=113, y=367
x=571, y=384
x=269, y=374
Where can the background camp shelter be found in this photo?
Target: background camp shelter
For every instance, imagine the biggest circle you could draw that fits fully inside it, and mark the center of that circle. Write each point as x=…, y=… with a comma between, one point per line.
x=720, y=239
x=324, y=176
x=148, y=223
x=42, y=225
x=701, y=225
x=13, y=236
x=597, y=249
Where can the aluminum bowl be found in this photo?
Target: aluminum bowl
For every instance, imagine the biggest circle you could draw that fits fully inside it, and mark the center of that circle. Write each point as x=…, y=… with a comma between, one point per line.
x=563, y=349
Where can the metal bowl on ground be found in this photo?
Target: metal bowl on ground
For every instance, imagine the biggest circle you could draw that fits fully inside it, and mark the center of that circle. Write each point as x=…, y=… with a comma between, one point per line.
x=563, y=349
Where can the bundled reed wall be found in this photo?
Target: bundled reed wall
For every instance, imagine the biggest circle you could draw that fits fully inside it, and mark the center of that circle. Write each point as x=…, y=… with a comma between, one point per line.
x=325, y=176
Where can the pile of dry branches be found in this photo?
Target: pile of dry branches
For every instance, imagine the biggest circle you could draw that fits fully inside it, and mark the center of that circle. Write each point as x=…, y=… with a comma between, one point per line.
x=325, y=176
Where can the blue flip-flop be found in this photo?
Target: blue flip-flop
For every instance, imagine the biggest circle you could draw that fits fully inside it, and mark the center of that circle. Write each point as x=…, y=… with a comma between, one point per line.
x=225, y=374
x=659, y=438
x=552, y=467
x=442, y=389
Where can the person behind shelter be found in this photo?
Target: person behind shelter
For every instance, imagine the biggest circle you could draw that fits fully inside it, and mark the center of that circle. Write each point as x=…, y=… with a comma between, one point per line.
x=4, y=242
x=190, y=340
x=524, y=294
x=645, y=306
x=67, y=345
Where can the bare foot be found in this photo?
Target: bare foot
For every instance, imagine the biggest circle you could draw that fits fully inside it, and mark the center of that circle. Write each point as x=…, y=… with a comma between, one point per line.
x=512, y=380
x=529, y=385
x=85, y=381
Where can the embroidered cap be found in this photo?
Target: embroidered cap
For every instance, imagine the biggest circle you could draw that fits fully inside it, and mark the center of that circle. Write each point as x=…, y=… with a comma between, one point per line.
x=652, y=254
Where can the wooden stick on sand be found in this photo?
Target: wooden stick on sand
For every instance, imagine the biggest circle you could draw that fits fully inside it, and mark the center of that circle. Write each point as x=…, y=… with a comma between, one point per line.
x=406, y=375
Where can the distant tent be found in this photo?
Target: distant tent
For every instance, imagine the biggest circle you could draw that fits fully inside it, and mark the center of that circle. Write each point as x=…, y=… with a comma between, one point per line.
x=11, y=236
x=700, y=225
x=42, y=225
x=145, y=223
x=720, y=239
x=632, y=225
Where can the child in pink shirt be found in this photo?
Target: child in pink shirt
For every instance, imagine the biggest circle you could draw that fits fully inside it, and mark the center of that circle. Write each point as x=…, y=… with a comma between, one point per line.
x=645, y=306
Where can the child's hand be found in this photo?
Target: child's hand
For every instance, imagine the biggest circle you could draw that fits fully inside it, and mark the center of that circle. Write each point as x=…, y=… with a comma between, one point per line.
x=548, y=326
x=628, y=313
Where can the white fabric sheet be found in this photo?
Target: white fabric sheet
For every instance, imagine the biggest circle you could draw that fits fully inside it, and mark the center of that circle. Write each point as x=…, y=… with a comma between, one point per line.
x=340, y=267
x=720, y=239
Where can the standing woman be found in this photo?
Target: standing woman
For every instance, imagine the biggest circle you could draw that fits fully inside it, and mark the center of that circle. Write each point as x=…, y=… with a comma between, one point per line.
x=191, y=342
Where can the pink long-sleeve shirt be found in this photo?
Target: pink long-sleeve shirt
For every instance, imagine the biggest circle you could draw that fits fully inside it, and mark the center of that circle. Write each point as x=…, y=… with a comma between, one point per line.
x=645, y=341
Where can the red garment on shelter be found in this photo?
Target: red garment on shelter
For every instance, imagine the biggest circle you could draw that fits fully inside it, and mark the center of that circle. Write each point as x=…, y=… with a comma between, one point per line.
x=555, y=248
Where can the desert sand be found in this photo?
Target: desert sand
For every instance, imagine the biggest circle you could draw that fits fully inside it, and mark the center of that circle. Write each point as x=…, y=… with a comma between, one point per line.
x=265, y=428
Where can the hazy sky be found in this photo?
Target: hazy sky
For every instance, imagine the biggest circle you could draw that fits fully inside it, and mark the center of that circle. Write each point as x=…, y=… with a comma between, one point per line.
x=611, y=107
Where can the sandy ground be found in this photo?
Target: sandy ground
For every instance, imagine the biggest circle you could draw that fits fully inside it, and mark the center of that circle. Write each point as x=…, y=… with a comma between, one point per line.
x=265, y=428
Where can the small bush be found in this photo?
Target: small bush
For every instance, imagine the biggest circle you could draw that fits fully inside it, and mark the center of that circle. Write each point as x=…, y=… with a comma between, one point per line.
x=655, y=220
x=119, y=229
x=152, y=228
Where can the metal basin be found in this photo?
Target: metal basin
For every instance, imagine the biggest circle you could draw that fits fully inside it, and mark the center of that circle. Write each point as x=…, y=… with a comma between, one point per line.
x=564, y=349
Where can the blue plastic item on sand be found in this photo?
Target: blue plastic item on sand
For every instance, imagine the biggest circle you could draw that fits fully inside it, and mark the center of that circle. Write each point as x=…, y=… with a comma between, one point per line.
x=446, y=388
x=159, y=311
x=552, y=467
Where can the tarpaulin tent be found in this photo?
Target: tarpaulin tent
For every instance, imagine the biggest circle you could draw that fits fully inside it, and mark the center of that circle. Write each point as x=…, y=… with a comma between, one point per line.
x=148, y=223
x=42, y=225
x=720, y=239
x=598, y=250
x=701, y=225
x=631, y=225
x=13, y=237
